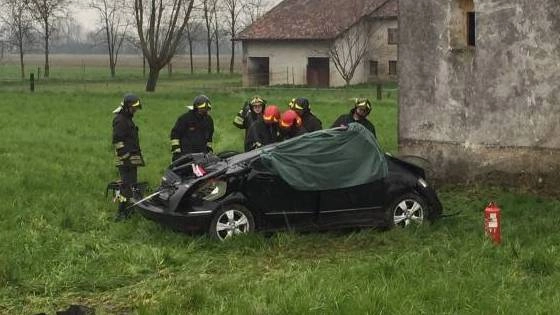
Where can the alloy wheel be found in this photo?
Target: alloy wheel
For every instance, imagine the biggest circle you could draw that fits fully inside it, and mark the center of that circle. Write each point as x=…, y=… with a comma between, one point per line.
x=230, y=223
x=408, y=211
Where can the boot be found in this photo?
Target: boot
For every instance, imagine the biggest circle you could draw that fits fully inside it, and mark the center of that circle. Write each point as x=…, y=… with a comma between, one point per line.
x=123, y=213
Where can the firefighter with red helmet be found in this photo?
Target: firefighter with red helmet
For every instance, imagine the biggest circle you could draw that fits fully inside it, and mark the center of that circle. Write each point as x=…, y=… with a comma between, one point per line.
x=193, y=131
x=358, y=114
x=291, y=124
x=265, y=130
x=128, y=156
x=251, y=111
x=301, y=106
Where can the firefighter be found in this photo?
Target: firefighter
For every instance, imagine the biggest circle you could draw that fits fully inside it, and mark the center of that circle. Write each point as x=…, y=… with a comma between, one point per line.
x=265, y=130
x=193, y=131
x=291, y=125
x=128, y=156
x=301, y=106
x=252, y=110
x=362, y=108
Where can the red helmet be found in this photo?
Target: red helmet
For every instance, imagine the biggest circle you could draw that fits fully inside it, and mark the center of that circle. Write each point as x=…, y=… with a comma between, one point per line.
x=271, y=114
x=290, y=118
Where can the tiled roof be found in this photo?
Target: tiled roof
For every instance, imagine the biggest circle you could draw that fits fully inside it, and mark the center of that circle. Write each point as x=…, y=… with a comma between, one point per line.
x=389, y=9
x=314, y=19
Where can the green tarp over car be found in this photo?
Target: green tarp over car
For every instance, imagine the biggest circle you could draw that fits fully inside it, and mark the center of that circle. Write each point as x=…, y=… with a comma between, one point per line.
x=327, y=159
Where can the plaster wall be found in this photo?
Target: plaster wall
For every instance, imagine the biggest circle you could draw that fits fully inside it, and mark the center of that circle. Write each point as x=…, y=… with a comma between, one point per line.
x=495, y=107
x=288, y=58
x=381, y=51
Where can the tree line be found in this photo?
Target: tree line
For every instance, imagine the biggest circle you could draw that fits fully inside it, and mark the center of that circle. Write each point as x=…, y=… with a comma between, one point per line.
x=156, y=28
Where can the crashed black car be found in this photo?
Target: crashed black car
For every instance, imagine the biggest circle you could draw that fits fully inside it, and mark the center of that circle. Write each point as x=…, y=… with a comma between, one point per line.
x=334, y=178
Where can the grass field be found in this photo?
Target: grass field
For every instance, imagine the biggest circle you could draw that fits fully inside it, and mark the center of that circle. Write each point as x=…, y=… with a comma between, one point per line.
x=59, y=245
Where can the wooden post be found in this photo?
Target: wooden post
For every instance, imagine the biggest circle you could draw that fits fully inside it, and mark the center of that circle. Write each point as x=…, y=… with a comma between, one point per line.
x=143, y=67
x=32, y=82
x=379, y=91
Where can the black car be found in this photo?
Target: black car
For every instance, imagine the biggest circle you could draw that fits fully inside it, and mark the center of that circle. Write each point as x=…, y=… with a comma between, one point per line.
x=334, y=178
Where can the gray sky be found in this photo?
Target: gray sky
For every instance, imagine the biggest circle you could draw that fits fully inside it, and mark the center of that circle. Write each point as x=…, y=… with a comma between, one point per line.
x=88, y=17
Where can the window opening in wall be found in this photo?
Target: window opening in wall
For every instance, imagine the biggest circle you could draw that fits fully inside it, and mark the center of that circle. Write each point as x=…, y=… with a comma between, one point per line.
x=392, y=67
x=392, y=36
x=373, y=67
x=462, y=24
x=471, y=28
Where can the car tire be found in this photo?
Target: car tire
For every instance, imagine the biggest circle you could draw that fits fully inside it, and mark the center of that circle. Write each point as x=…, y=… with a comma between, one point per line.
x=231, y=220
x=408, y=209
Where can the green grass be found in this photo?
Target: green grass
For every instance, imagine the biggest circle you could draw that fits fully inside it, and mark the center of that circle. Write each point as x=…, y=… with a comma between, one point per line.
x=59, y=245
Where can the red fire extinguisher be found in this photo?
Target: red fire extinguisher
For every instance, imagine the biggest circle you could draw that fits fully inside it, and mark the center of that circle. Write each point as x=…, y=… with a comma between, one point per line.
x=492, y=222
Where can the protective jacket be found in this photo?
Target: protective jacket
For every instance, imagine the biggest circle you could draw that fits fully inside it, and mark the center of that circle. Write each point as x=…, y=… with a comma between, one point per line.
x=349, y=118
x=261, y=134
x=192, y=133
x=293, y=132
x=126, y=140
x=310, y=122
x=245, y=117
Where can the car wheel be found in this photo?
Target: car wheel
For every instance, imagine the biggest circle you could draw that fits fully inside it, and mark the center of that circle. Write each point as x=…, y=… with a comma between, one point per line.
x=231, y=220
x=409, y=209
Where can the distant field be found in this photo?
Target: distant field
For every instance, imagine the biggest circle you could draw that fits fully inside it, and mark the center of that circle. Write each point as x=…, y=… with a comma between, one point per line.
x=179, y=63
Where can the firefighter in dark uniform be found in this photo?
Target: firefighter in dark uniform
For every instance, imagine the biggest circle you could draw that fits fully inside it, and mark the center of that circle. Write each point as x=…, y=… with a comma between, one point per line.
x=252, y=110
x=291, y=125
x=193, y=131
x=358, y=114
x=265, y=130
x=128, y=155
x=301, y=106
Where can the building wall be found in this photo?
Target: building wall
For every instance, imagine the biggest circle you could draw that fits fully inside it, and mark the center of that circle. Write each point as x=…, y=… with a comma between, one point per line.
x=288, y=59
x=381, y=51
x=491, y=111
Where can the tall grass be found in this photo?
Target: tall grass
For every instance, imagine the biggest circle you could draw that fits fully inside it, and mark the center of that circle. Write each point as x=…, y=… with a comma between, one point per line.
x=59, y=245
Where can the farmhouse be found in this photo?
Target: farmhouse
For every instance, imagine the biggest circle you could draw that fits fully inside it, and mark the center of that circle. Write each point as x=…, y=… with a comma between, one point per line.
x=301, y=42
x=481, y=94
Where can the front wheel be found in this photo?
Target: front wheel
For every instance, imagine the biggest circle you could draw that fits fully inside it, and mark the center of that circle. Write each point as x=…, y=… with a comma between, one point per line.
x=408, y=209
x=231, y=220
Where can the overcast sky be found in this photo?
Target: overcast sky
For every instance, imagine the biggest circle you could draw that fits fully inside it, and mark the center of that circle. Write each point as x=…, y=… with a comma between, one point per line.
x=88, y=17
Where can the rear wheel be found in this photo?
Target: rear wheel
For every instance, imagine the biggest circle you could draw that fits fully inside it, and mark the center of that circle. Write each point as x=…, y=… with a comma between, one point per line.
x=231, y=220
x=409, y=209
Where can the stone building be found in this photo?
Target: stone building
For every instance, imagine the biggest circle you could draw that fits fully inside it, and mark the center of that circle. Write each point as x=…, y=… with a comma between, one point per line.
x=480, y=88
x=290, y=44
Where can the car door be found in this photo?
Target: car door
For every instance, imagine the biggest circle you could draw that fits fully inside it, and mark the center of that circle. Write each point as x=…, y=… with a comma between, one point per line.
x=281, y=206
x=353, y=206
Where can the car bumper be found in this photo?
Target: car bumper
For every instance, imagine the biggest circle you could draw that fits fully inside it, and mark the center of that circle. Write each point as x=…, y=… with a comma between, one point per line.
x=197, y=220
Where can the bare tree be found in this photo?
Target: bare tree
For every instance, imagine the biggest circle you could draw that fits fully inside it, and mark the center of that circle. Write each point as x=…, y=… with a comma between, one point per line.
x=46, y=12
x=18, y=25
x=215, y=10
x=161, y=27
x=234, y=9
x=254, y=9
x=207, y=14
x=114, y=25
x=193, y=29
x=349, y=49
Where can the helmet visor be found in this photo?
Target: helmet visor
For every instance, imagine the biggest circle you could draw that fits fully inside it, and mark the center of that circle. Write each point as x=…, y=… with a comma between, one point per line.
x=204, y=105
x=136, y=104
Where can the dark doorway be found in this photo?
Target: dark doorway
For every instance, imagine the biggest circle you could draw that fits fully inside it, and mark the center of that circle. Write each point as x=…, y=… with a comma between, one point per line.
x=318, y=72
x=258, y=71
